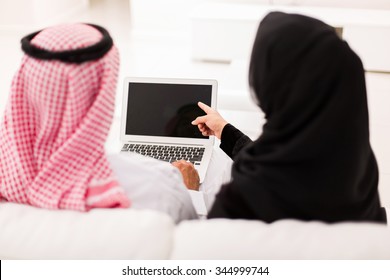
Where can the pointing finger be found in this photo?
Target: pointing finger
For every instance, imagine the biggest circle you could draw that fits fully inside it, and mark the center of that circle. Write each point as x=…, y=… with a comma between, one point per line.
x=205, y=108
x=199, y=120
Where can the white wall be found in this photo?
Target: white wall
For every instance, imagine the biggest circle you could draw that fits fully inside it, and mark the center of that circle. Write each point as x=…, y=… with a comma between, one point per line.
x=16, y=12
x=19, y=14
x=370, y=4
x=173, y=15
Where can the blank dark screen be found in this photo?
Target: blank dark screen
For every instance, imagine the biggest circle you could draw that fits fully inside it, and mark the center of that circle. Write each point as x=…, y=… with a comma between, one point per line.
x=165, y=109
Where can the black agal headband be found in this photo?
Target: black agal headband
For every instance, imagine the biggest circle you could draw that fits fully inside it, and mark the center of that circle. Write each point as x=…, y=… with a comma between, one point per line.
x=78, y=56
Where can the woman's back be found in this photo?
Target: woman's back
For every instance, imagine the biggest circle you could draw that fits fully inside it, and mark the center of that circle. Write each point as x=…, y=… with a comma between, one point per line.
x=313, y=160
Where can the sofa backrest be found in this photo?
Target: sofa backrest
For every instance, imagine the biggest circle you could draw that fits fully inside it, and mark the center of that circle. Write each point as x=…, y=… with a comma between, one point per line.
x=285, y=239
x=32, y=233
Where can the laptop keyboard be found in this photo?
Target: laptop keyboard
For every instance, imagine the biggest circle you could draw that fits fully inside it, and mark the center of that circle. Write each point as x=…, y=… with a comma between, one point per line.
x=167, y=153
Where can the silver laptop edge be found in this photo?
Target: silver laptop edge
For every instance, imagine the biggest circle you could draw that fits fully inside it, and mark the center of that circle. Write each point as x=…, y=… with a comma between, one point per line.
x=164, y=140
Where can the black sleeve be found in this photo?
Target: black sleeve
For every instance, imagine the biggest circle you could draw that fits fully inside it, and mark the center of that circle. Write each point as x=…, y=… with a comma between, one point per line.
x=233, y=140
x=230, y=204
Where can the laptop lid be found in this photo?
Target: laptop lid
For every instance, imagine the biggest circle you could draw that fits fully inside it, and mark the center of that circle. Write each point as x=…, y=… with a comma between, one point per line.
x=160, y=110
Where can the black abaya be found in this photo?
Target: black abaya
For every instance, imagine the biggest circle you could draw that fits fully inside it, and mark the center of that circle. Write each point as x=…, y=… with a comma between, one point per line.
x=313, y=160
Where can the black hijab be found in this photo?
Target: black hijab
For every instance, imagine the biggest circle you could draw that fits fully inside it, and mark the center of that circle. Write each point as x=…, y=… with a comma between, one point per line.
x=313, y=160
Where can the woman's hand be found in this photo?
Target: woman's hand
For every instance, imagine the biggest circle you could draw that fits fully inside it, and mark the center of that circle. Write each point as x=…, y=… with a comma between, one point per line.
x=189, y=173
x=210, y=124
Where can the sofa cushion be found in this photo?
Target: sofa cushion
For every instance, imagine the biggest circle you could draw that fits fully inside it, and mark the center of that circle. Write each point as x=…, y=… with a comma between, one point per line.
x=32, y=233
x=285, y=239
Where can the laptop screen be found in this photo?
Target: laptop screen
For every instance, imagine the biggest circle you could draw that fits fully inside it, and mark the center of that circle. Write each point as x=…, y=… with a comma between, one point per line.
x=156, y=109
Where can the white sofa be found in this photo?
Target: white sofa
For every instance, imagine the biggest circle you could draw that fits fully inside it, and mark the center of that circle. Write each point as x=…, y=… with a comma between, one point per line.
x=31, y=233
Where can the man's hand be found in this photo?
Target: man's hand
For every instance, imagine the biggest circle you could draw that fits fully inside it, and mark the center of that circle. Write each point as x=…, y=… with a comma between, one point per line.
x=210, y=124
x=189, y=173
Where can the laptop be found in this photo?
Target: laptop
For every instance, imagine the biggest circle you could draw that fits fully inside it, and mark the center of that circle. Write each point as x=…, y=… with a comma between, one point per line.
x=157, y=115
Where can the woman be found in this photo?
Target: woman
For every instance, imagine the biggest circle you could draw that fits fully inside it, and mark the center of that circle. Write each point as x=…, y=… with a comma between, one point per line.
x=57, y=119
x=313, y=160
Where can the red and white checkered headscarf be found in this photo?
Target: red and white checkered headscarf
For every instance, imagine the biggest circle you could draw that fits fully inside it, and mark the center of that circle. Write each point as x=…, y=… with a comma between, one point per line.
x=55, y=125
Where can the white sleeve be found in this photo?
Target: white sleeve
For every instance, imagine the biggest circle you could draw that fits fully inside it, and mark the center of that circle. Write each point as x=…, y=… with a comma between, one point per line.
x=153, y=184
